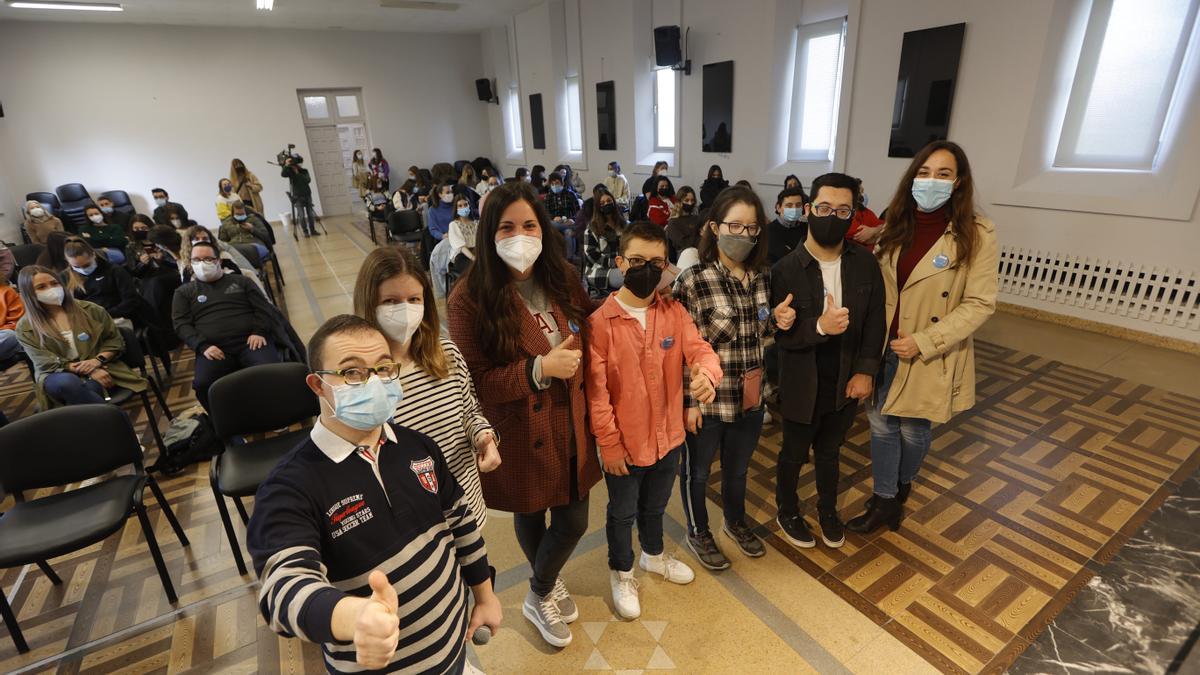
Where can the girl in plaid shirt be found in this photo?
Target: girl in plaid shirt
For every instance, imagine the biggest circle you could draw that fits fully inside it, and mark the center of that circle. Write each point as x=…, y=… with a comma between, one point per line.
x=727, y=294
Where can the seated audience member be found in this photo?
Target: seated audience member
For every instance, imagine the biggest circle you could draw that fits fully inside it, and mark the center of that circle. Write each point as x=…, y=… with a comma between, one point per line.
x=683, y=229
x=245, y=227
x=537, y=178
x=650, y=185
x=153, y=263
x=462, y=237
x=39, y=223
x=177, y=220
x=103, y=235
x=712, y=186
x=661, y=203
x=562, y=205
x=224, y=318
x=401, y=200
x=866, y=226
x=163, y=208
x=441, y=212
x=573, y=180
x=225, y=197
x=231, y=259
x=617, y=185
x=114, y=216
x=53, y=256
x=792, y=181
x=522, y=174
x=600, y=247
x=790, y=227
x=468, y=178
x=169, y=240
x=93, y=279
x=246, y=185
x=11, y=311
x=342, y=588
x=74, y=344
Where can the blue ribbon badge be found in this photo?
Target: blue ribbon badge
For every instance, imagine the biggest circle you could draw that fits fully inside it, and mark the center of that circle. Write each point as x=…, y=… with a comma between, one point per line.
x=941, y=261
x=573, y=326
x=763, y=313
x=668, y=342
x=201, y=298
x=83, y=337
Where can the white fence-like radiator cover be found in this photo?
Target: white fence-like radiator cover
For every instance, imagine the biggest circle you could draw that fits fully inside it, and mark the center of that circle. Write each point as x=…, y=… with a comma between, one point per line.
x=1157, y=297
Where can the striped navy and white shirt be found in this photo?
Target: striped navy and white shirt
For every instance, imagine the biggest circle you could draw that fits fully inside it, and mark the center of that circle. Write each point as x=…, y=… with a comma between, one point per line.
x=447, y=411
x=323, y=520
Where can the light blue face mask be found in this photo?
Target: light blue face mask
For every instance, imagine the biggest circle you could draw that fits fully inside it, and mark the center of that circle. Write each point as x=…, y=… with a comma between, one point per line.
x=464, y=211
x=791, y=215
x=931, y=193
x=368, y=405
x=241, y=217
x=85, y=271
x=556, y=189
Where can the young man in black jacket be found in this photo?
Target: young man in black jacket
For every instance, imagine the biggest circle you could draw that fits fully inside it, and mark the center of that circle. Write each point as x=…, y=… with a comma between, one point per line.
x=301, y=189
x=163, y=206
x=830, y=353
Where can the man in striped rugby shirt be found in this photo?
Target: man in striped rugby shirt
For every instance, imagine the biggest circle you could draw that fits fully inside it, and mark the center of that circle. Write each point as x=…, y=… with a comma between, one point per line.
x=361, y=536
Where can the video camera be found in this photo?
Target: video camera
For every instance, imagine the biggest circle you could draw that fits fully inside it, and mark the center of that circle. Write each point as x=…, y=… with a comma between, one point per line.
x=284, y=155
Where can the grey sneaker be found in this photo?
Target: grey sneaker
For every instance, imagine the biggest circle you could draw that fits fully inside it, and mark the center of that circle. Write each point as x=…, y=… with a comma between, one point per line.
x=566, y=606
x=704, y=547
x=543, y=614
x=746, y=540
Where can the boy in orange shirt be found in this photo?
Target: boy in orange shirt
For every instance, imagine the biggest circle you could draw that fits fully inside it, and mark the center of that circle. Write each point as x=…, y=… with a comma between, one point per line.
x=639, y=343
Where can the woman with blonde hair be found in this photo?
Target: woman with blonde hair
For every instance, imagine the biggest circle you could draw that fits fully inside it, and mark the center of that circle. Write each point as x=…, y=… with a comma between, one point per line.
x=246, y=185
x=39, y=222
x=393, y=293
x=360, y=177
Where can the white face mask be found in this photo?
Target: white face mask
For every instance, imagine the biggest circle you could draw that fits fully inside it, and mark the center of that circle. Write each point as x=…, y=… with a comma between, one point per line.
x=96, y=218
x=175, y=222
x=519, y=252
x=447, y=198
x=206, y=271
x=161, y=201
x=51, y=296
x=400, y=321
x=37, y=212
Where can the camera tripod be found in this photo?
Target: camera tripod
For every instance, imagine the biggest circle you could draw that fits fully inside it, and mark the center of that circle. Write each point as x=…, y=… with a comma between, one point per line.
x=298, y=212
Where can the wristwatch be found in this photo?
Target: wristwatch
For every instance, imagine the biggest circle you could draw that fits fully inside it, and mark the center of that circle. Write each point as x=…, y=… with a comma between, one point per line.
x=102, y=359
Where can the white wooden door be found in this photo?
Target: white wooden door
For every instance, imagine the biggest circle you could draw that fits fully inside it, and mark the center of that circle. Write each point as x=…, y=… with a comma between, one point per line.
x=327, y=169
x=336, y=125
x=353, y=137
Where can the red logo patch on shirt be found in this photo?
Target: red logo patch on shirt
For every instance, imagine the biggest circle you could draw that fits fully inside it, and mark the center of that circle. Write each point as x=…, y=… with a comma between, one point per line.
x=424, y=470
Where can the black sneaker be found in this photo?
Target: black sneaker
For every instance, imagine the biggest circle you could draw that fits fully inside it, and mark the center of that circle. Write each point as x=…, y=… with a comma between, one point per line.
x=795, y=530
x=833, y=533
x=704, y=547
x=746, y=540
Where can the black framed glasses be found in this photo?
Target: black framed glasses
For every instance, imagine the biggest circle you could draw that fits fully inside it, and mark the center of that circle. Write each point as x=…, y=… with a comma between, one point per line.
x=208, y=260
x=823, y=210
x=360, y=374
x=636, y=262
x=749, y=229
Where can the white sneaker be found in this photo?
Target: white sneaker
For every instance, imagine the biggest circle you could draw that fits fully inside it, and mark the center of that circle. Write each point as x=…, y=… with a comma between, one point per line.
x=666, y=566
x=625, y=594
x=542, y=612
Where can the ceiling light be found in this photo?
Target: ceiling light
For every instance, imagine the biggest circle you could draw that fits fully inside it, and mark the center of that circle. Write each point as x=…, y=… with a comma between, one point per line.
x=266, y=4
x=71, y=6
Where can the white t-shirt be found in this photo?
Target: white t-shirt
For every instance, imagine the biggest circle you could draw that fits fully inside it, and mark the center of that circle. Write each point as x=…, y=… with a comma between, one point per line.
x=638, y=313
x=831, y=274
x=69, y=337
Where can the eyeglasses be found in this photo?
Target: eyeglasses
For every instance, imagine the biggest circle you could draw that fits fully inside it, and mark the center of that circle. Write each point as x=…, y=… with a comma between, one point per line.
x=751, y=229
x=209, y=260
x=823, y=210
x=360, y=374
x=635, y=263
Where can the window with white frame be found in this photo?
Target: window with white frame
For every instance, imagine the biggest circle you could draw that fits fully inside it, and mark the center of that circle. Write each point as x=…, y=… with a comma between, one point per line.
x=816, y=90
x=1125, y=83
x=665, y=81
x=574, y=115
x=515, y=142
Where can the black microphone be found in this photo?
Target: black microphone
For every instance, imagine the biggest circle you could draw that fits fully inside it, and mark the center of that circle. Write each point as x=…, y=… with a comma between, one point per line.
x=482, y=635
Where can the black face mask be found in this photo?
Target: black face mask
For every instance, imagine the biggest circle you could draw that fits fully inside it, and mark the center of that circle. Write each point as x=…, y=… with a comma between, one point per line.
x=140, y=235
x=664, y=192
x=686, y=207
x=642, y=281
x=827, y=230
x=608, y=209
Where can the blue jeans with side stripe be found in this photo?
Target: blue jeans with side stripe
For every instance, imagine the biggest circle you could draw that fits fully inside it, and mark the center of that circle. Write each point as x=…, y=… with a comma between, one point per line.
x=735, y=443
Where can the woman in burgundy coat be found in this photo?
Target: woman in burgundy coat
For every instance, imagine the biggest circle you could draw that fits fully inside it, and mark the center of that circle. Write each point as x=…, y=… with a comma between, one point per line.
x=518, y=317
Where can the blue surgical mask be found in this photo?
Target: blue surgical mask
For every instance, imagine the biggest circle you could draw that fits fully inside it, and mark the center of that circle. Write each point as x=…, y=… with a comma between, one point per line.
x=240, y=217
x=931, y=193
x=161, y=201
x=106, y=209
x=464, y=211
x=85, y=271
x=368, y=405
x=556, y=189
x=791, y=214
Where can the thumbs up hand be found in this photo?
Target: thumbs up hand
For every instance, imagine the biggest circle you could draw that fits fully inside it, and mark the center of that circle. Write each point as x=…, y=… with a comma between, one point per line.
x=377, y=628
x=563, y=360
x=702, y=387
x=785, y=316
x=834, y=320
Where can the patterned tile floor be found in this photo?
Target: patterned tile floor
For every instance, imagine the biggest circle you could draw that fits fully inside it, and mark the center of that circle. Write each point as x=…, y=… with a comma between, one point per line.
x=1023, y=501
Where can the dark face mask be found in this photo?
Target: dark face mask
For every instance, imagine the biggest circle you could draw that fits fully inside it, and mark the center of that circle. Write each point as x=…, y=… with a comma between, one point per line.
x=664, y=192
x=642, y=281
x=608, y=209
x=686, y=207
x=140, y=235
x=827, y=230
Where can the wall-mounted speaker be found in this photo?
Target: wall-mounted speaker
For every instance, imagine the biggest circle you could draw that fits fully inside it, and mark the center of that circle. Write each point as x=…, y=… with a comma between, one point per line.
x=483, y=88
x=666, y=46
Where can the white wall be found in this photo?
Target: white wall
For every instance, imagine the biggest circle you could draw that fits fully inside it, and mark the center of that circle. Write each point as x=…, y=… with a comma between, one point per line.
x=1002, y=53
x=134, y=107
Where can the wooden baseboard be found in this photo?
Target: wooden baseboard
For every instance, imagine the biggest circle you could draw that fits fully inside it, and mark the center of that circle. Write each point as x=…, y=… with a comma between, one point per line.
x=1110, y=330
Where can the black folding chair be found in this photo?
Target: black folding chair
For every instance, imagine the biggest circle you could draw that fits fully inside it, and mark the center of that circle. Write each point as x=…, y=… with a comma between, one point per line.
x=133, y=357
x=63, y=446
x=255, y=400
x=251, y=253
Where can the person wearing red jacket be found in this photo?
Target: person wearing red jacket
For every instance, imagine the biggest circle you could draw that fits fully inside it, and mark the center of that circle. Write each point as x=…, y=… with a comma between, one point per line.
x=661, y=202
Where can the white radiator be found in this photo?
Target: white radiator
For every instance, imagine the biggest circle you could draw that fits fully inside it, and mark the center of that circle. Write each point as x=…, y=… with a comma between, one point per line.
x=1160, y=300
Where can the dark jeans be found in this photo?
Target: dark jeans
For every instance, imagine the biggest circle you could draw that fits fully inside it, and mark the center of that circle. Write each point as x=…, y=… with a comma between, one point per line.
x=549, y=548
x=640, y=496
x=306, y=218
x=237, y=356
x=735, y=441
x=72, y=389
x=825, y=435
x=898, y=444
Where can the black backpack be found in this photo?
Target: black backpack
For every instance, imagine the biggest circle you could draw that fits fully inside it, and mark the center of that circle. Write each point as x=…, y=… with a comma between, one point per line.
x=189, y=440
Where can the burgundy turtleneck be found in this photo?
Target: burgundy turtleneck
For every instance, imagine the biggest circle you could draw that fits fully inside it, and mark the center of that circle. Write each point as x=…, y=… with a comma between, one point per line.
x=930, y=227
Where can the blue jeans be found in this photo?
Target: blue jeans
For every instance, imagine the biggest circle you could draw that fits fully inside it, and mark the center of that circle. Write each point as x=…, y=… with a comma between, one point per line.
x=898, y=444
x=735, y=441
x=640, y=496
x=439, y=267
x=567, y=229
x=72, y=389
x=9, y=347
x=263, y=252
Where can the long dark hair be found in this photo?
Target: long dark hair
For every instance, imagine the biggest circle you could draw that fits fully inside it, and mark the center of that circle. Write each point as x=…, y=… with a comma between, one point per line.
x=489, y=279
x=901, y=216
x=602, y=225
x=709, y=180
x=730, y=196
